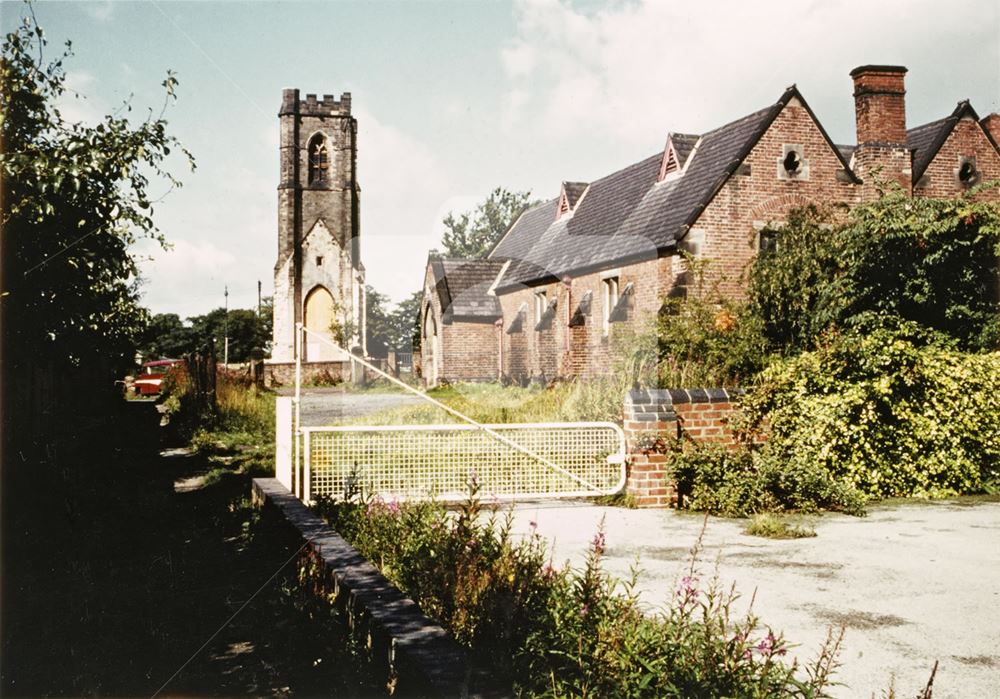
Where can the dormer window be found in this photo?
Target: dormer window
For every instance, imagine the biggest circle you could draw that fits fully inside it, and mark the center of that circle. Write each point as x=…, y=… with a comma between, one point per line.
x=671, y=163
x=569, y=196
x=680, y=148
x=319, y=162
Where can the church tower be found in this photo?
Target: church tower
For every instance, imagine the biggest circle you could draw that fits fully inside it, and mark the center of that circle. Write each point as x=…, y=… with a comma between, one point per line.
x=318, y=279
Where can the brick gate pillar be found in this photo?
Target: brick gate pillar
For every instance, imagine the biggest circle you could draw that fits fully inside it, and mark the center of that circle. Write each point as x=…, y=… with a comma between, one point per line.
x=650, y=420
x=654, y=418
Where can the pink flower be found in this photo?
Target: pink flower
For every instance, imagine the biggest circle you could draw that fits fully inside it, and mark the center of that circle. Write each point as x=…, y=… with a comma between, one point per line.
x=769, y=646
x=688, y=590
x=598, y=543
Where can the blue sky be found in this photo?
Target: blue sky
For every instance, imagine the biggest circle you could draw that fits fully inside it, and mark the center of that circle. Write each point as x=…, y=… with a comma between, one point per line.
x=456, y=98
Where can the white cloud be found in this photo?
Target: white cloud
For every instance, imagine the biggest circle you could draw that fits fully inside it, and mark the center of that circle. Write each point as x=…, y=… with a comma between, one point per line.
x=78, y=104
x=403, y=189
x=101, y=11
x=188, y=279
x=637, y=69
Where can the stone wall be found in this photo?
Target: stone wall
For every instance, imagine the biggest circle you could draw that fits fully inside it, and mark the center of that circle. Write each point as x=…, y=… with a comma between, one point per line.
x=655, y=417
x=283, y=373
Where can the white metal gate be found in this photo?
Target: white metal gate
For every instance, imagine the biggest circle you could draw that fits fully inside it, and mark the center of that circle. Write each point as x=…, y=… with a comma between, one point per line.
x=505, y=461
x=442, y=461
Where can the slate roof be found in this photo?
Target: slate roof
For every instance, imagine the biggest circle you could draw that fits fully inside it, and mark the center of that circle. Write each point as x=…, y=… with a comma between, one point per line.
x=846, y=152
x=628, y=215
x=462, y=287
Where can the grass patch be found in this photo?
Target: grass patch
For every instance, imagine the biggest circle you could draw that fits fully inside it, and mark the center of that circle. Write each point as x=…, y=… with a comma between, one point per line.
x=772, y=526
x=622, y=498
x=597, y=400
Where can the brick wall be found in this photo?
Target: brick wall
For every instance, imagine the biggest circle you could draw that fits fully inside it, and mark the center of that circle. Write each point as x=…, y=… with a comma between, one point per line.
x=758, y=195
x=966, y=140
x=583, y=348
x=652, y=415
x=464, y=350
x=470, y=351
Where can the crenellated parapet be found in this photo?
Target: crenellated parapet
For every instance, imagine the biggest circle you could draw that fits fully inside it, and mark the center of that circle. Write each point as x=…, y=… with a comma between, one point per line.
x=313, y=106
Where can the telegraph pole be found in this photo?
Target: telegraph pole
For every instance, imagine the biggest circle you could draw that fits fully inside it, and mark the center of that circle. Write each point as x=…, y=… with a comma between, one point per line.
x=225, y=325
x=258, y=298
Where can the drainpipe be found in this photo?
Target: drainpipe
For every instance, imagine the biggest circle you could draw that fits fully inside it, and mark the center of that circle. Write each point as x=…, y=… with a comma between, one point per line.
x=499, y=326
x=567, y=344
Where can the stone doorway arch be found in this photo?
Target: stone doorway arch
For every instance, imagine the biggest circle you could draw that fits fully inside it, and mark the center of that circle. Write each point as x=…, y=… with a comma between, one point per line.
x=319, y=316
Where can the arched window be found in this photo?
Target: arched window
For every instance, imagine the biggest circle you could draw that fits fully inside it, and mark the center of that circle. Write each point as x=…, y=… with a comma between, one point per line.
x=430, y=325
x=319, y=161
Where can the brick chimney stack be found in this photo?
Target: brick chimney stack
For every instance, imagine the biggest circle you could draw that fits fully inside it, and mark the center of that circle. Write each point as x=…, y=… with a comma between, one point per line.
x=880, y=110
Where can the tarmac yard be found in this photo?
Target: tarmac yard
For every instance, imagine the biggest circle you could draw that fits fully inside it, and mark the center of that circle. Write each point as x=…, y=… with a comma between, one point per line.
x=912, y=583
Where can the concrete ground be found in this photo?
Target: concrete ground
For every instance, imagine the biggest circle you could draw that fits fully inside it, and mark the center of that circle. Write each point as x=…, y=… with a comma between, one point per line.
x=912, y=583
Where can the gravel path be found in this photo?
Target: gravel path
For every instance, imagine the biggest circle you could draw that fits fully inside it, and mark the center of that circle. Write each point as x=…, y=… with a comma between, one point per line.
x=912, y=583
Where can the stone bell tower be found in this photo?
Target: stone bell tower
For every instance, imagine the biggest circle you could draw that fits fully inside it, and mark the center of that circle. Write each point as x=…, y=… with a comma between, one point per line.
x=318, y=279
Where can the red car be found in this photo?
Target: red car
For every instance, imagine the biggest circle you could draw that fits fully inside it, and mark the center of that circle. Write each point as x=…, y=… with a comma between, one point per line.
x=149, y=380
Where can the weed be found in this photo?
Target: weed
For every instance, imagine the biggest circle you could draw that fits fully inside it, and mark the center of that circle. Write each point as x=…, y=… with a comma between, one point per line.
x=570, y=632
x=772, y=526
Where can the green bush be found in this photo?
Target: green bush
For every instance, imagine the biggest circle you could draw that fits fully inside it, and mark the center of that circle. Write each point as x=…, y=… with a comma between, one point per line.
x=891, y=410
x=563, y=632
x=930, y=261
x=738, y=482
x=786, y=283
x=706, y=339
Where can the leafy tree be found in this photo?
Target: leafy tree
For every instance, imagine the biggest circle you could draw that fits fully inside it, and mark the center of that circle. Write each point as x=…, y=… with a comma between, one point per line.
x=931, y=261
x=474, y=233
x=75, y=198
x=166, y=335
x=243, y=327
x=394, y=329
x=405, y=320
x=378, y=323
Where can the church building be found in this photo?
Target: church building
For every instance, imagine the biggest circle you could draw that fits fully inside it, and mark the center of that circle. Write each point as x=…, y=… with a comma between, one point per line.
x=605, y=254
x=318, y=277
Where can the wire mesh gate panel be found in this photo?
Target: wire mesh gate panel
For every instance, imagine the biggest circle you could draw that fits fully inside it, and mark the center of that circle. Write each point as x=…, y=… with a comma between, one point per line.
x=421, y=461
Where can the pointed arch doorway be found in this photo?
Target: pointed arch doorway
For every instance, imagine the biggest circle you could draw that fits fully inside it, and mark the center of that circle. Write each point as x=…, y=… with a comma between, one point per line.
x=319, y=316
